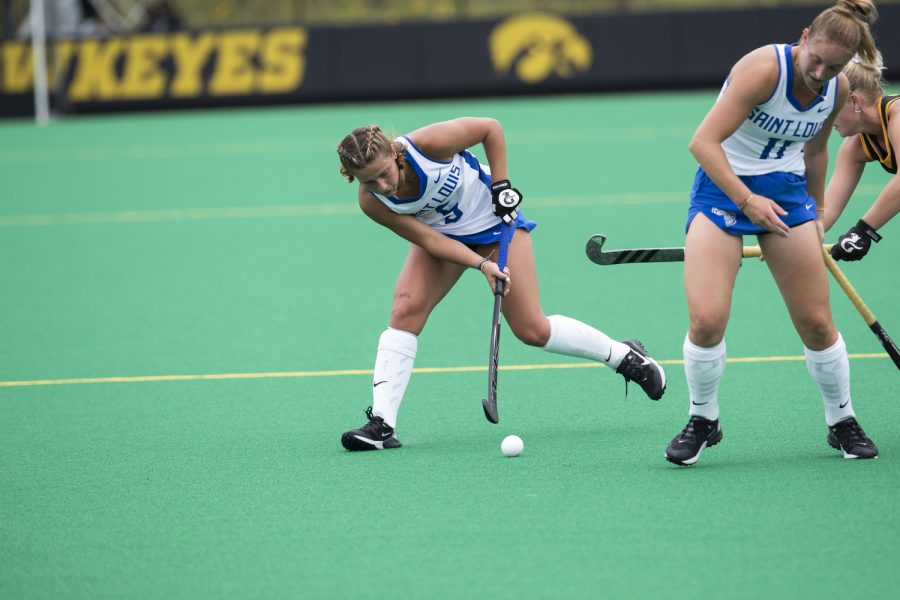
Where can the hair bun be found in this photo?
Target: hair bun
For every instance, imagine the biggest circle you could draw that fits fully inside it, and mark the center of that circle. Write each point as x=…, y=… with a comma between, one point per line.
x=864, y=10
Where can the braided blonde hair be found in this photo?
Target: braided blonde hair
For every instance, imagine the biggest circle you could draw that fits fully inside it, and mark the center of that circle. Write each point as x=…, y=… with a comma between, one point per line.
x=364, y=145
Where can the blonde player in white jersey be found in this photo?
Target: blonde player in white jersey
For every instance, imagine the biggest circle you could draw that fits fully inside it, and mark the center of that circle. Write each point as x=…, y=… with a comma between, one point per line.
x=429, y=189
x=762, y=151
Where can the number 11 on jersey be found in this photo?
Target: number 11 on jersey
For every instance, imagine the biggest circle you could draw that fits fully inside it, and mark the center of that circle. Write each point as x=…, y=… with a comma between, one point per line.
x=767, y=151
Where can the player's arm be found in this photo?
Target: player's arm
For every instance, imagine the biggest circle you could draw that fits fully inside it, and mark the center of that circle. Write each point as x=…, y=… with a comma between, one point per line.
x=443, y=140
x=436, y=244
x=751, y=82
x=848, y=168
x=855, y=244
x=413, y=230
x=815, y=150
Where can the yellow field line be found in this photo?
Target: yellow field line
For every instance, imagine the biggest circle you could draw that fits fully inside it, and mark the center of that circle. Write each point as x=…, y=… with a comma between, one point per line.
x=346, y=372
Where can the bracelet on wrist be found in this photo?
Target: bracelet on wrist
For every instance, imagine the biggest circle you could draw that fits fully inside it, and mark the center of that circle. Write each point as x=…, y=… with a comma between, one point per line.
x=481, y=264
x=745, y=202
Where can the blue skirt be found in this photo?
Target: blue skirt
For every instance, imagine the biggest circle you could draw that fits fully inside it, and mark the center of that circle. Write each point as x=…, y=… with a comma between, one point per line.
x=492, y=235
x=787, y=189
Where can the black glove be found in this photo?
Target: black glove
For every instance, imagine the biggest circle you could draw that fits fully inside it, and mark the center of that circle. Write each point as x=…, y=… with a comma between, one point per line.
x=854, y=244
x=506, y=200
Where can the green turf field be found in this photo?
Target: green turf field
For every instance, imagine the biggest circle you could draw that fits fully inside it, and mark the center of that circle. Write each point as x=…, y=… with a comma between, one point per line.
x=190, y=308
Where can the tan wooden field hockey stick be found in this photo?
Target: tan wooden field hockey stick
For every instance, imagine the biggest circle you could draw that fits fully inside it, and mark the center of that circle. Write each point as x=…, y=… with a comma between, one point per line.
x=864, y=311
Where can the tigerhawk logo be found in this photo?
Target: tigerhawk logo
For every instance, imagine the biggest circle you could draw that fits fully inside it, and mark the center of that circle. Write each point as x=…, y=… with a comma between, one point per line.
x=849, y=242
x=537, y=45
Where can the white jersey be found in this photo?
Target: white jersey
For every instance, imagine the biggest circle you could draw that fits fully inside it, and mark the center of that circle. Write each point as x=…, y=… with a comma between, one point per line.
x=454, y=197
x=771, y=138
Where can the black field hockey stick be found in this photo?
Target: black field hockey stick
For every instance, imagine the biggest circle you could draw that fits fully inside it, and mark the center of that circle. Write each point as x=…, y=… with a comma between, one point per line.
x=490, y=403
x=863, y=310
x=596, y=253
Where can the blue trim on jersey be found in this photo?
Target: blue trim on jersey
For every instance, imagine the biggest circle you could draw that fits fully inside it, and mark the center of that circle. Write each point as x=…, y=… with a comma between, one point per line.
x=492, y=235
x=787, y=189
x=777, y=62
x=426, y=155
x=422, y=182
x=473, y=162
x=789, y=87
x=423, y=179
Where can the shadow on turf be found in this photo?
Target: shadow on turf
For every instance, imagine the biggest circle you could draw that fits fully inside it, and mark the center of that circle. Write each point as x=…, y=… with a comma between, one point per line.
x=813, y=460
x=588, y=445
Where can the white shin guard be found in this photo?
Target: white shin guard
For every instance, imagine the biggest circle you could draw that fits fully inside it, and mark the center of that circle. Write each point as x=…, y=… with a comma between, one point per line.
x=830, y=369
x=393, y=368
x=574, y=338
x=703, y=368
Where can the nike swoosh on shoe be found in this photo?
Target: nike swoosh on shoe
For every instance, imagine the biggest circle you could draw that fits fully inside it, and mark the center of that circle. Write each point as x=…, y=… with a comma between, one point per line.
x=377, y=444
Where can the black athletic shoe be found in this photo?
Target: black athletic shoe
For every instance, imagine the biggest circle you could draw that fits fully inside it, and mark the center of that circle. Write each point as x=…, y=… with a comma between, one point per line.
x=374, y=435
x=637, y=366
x=699, y=433
x=848, y=437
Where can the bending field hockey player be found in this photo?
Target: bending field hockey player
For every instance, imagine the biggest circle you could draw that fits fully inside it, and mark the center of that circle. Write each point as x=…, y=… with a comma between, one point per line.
x=430, y=190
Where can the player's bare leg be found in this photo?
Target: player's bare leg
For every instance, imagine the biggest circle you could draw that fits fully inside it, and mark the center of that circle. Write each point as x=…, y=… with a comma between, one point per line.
x=424, y=280
x=711, y=262
x=563, y=335
x=712, y=259
x=798, y=268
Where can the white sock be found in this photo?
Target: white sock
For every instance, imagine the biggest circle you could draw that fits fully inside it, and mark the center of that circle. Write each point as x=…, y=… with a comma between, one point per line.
x=703, y=368
x=393, y=367
x=574, y=338
x=830, y=369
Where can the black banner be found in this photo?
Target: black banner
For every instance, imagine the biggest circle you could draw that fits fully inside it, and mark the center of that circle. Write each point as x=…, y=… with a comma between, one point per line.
x=526, y=53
